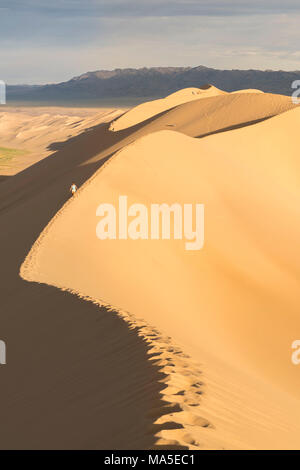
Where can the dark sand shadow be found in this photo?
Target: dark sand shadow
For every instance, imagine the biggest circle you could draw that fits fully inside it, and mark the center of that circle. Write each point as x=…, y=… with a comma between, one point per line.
x=234, y=127
x=4, y=177
x=76, y=376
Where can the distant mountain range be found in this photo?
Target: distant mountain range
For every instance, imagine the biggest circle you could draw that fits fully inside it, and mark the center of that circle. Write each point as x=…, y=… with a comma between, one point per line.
x=153, y=82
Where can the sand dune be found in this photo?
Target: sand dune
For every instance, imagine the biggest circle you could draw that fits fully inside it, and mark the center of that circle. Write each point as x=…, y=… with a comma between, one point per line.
x=248, y=90
x=65, y=386
x=232, y=307
x=147, y=110
x=39, y=131
x=218, y=113
x=221, y=113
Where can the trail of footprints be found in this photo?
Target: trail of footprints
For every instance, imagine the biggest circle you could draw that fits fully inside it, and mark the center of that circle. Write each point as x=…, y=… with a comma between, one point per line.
x=176, y=424
x=177, y=421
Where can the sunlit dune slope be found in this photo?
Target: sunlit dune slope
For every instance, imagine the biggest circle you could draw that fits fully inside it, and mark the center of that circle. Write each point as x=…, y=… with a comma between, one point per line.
x=236, y=301
x=247, y=90
x=221, y=113
x=149, y=109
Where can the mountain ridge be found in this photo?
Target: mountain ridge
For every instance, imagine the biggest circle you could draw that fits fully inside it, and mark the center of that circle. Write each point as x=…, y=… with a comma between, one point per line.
x=154, y=82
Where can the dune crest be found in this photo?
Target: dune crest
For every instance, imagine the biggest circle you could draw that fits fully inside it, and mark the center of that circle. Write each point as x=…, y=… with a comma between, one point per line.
x=232, y=306
x=221, y=113
x=247, y=90
x=149, y=109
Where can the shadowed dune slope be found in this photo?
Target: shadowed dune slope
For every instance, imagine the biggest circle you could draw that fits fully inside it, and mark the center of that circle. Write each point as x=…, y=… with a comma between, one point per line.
x=77, y=376
x=34, y=130
x=234, y=305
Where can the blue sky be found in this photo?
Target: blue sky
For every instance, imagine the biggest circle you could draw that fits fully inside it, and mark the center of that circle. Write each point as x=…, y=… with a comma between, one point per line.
x=51, y=41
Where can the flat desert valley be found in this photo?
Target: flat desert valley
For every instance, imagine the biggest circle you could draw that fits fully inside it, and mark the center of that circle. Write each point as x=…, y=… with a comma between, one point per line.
x=141, y=344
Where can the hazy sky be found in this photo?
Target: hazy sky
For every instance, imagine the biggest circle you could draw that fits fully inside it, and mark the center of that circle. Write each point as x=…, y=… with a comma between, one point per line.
x=49, y=41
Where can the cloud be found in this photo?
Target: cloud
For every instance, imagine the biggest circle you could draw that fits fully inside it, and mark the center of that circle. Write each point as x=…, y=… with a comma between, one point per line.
x=43, y=41
x=146, y=8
